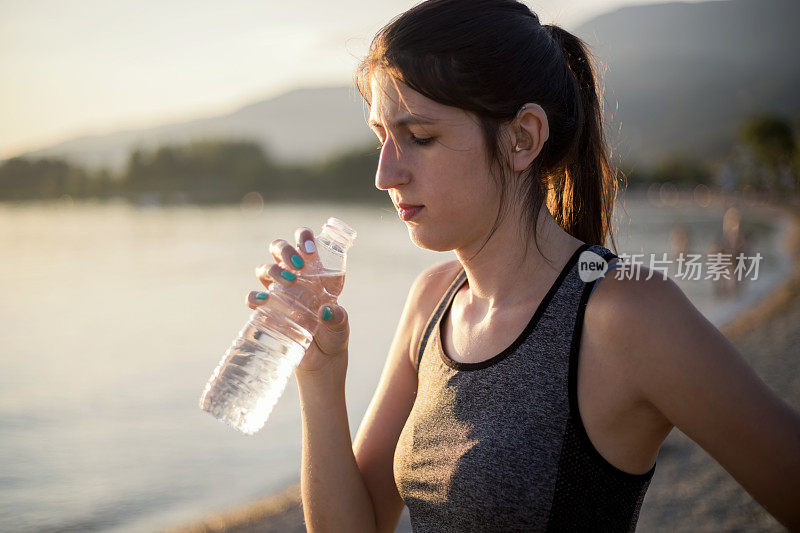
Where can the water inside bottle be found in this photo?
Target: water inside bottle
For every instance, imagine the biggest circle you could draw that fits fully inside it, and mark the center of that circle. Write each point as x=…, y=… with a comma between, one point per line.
x=246, y=386
x=332, y=281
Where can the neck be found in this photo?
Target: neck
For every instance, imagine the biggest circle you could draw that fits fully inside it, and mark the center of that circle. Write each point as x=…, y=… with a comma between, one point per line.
x=506, y=273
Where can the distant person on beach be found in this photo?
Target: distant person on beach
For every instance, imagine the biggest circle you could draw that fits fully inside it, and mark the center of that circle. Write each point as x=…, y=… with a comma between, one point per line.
x=730, y=242
x=680, y=239
x=521, y=392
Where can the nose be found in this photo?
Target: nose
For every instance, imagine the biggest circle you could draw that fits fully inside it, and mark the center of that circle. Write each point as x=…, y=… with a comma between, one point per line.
x=391, y=171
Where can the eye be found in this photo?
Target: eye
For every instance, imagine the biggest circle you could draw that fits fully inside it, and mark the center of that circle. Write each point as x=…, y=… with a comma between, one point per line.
x=421, y=141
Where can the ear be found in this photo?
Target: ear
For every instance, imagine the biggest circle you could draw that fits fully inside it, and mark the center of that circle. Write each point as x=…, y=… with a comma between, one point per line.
x=529, y=131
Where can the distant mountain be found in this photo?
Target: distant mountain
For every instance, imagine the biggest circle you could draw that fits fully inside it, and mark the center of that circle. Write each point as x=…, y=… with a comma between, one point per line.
x=683, y=75
x=298, y=126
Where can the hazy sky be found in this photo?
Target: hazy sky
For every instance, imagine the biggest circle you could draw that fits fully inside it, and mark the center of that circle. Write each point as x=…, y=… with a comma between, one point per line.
x=75, y=67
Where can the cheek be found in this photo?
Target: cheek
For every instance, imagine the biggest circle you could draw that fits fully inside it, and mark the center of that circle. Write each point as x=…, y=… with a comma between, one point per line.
x=476, y=186
x=465, y=164
x=462, y=197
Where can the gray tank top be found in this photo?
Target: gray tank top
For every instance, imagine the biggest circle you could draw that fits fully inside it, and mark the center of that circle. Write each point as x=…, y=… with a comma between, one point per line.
x=499, y=445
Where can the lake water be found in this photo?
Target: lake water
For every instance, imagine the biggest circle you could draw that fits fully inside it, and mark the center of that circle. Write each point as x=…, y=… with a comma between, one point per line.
x=113, y=316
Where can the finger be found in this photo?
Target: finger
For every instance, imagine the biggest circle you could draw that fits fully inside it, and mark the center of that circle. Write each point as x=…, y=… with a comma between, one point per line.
x=256, y=298
x=286, y=255
x=281, y=275
x=307, y=245
x=301, y=235
x=262, y=273
x=334, y=338
x=331, y=315
x=270, y=272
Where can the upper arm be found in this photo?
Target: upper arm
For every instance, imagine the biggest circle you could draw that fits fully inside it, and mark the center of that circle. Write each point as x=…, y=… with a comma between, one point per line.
x=682, y=365
x=376, y=439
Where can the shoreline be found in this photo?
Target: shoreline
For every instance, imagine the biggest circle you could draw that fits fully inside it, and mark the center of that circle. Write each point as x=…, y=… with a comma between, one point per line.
x=281, y=511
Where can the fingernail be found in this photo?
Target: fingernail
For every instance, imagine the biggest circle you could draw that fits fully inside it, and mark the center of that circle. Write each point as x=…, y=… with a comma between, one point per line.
x=288, y=275
x=327, y=314
x=309, y=246
x=261, y=296
x=297, y=261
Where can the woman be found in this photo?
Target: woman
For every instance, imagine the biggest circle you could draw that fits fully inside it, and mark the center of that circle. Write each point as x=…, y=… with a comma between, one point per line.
x=492, y=146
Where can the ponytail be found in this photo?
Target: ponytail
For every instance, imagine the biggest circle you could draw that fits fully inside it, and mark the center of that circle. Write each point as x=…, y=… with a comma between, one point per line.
x=583, y=189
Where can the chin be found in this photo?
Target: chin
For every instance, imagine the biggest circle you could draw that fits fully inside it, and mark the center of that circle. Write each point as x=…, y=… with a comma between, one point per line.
x=430, y=240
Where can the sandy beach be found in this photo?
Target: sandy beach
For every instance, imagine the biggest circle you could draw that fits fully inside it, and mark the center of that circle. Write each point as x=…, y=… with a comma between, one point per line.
x=690, y=491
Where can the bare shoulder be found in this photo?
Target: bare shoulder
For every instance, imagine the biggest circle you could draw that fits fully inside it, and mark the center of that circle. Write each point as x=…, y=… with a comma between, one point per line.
x=434, y=279
x=425, y=293
x=440, y=274
x=627, y=323
x=639, y=316
x=636, y=298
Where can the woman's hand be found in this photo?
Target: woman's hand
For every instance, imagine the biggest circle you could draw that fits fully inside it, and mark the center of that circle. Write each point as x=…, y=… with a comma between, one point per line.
x=301, y=264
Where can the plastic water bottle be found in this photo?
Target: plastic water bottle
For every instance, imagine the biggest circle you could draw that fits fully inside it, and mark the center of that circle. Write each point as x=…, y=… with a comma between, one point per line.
x=254, y=371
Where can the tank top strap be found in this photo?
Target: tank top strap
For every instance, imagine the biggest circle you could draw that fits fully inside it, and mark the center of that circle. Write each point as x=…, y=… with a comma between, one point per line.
x=612, y=260
x=434, y=319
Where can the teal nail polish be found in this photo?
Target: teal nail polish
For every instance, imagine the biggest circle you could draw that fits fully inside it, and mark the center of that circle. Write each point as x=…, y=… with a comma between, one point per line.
x=327, y=314
x=297, y=261
x=261, y=296
x=288, y=275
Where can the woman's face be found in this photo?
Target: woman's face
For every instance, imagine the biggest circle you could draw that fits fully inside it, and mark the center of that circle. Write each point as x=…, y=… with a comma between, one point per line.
x=434, y=157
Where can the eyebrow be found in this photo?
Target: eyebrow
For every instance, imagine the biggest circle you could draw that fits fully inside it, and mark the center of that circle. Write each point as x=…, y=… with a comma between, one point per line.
x=404, y=122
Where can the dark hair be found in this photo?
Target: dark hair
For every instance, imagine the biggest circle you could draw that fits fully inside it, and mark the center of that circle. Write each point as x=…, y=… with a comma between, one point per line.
x=490, y=57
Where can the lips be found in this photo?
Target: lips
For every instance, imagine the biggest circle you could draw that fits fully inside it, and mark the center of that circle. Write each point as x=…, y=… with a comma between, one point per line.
x=408, y=211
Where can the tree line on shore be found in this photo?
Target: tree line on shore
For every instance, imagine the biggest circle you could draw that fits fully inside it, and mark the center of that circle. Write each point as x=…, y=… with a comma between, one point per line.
x=765, y=158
